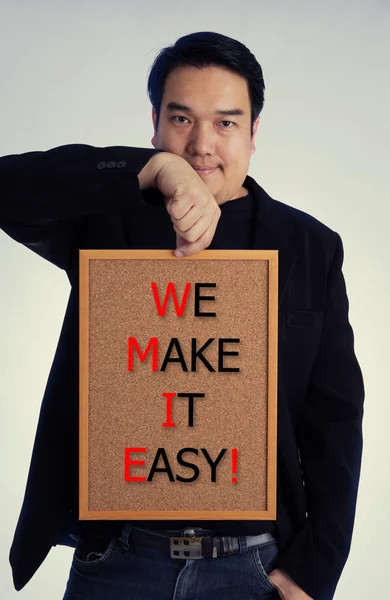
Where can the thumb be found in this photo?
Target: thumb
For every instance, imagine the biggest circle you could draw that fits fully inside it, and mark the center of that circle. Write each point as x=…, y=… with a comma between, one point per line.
x=180, y=242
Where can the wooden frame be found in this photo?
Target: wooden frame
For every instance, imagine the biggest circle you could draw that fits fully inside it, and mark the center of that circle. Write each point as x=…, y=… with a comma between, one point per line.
x=271, y=256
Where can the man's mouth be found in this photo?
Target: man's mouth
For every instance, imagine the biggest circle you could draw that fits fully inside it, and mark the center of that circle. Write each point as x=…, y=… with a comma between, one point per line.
x=205, y=170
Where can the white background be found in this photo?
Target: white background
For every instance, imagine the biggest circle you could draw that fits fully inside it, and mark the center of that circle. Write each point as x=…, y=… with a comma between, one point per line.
x=77, y=72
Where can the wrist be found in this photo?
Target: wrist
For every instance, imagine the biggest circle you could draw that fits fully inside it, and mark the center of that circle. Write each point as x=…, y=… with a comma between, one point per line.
x=286, y=586
x=279, y=580
x=147, y=177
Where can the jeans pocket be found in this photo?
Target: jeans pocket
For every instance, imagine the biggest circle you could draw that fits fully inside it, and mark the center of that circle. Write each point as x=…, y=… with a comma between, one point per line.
x=262, y=560
x=87, y=557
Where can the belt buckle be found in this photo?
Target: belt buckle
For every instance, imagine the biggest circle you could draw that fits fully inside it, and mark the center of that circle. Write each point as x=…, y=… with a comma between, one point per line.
x=186, y=547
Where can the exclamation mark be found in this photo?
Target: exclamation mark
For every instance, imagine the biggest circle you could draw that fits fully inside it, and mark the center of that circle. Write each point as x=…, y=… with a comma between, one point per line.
x=234, y=464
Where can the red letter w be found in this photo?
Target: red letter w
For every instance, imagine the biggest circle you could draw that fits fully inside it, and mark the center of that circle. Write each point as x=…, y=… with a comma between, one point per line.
x=170, y=290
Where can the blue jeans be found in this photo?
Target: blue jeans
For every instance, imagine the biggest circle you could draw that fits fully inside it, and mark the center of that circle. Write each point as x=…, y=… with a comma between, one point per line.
x=128, y=571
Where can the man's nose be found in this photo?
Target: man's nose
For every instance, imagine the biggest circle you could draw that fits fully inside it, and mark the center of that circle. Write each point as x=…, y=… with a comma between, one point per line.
x=202, y=140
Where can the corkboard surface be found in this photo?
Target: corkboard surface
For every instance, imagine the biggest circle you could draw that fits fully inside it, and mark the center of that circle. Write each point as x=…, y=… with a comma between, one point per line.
x=121, y=409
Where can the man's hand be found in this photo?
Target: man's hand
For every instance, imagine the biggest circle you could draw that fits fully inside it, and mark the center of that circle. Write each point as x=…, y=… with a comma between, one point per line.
x=287, y=588
x=192, y=207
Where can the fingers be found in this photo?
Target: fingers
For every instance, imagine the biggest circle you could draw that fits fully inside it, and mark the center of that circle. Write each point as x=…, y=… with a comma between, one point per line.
x=192, y=233
x=193, y=209
x=195, y=236
x=178, y=207
x=183, y=248
x=189, y=219
x=187, y=210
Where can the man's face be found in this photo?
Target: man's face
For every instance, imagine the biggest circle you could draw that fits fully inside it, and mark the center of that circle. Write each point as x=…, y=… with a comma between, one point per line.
x=205, y=118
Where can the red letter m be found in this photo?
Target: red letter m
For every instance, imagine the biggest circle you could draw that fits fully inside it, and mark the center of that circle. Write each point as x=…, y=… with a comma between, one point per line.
x=152, y=342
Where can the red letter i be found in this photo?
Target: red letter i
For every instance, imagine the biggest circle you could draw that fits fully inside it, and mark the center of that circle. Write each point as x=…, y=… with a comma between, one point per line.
x=169, y=396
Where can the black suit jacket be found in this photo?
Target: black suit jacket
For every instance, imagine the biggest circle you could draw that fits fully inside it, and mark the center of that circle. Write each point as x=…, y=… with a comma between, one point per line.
x=79, y=196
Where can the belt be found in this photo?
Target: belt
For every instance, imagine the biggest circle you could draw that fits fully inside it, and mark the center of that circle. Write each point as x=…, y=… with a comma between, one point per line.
x=189, y=545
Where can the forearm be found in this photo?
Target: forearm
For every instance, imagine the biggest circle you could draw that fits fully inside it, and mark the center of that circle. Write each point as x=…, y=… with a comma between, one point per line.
x=317, y=554
x=67, y=182
x=44, y=195
x=329, y=437
x=148, y=176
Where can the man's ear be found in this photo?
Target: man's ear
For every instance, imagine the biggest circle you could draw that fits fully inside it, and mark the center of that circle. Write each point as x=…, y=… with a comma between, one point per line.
x=154, y=119
x=255, y=127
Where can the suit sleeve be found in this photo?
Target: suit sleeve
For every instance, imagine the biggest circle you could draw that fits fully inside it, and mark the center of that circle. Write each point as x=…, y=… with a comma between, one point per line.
x=43, y=195
x=330, y=445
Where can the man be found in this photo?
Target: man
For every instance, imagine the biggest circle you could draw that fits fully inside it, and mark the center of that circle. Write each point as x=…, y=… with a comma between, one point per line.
x=193, y=192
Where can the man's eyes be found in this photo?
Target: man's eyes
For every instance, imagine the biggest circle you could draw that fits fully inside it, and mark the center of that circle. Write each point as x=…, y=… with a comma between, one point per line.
x=228, y=126
x=174, y=118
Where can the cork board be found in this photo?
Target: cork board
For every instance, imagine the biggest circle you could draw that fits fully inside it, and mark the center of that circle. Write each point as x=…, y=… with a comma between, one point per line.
x=178, y=385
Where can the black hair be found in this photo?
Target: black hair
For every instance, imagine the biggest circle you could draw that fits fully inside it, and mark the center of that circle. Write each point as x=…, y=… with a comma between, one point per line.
x=203, y=49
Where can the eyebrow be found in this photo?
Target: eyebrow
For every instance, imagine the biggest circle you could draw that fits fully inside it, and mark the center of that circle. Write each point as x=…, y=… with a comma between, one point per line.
x=224, y=113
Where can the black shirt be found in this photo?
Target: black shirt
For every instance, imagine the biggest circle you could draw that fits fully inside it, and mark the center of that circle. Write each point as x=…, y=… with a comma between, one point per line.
x=234, y=232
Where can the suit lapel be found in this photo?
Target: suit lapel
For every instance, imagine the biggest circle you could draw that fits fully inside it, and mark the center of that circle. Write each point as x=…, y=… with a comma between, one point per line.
x=272, y=232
